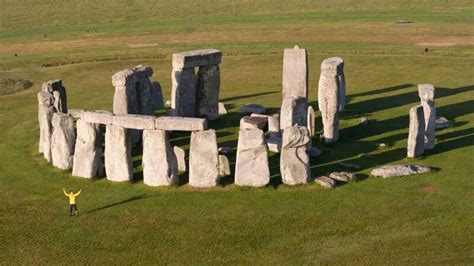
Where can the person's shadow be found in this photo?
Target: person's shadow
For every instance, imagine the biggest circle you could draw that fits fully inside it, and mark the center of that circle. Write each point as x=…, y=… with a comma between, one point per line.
x=134, y=198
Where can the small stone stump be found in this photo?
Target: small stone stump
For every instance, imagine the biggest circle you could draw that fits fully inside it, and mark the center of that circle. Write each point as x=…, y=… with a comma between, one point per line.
x=203, y=159
x=294, y=160
x=160, y=167
x=416, y=135
x=251, y=168
x=62, y=141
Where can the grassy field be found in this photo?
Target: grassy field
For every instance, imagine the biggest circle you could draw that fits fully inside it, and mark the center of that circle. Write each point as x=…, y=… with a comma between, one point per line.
x=423, y=219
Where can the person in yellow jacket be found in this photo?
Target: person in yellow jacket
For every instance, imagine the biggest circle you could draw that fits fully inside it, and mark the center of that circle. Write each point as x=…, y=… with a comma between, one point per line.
x=72, y=201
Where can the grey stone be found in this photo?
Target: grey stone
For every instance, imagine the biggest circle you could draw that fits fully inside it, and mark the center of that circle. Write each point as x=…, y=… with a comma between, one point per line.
x=311, y=124
x=350, y=165
x=45, y=115
x=294, y=111
x=134, y=121
x=251, y=167
x=184, y=92
x=88, y=150
x=62, y=141
x=274, y=125
x=426, y=93
x=203, y=159
x=181, y=158
x=180, y=123
x=342, y=176
x=248, y=122
x=294, y=160
x=441, y=123
x=125, y=95
x=253, y=109
x=274, y=144
x=58, y=91
x=364, y=121
x=295, y=73
x=222, y=109
x=325, y=181
x=225, y=150
x=313, y=152
x=190, y=59
x=209, y=80
x=224, y=166
x=395, y=170
x=330, y=98
x=98, y=117
x=160, y=166
x=118, y=155
x=416, y=135
x=336, y=65
x=157, y=95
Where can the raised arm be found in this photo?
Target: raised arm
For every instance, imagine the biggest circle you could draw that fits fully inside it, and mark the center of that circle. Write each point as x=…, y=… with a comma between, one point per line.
x=77, y=194
x=64, y=191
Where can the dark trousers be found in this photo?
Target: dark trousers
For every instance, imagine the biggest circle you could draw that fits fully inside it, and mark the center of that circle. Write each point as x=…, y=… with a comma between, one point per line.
x=72, y=209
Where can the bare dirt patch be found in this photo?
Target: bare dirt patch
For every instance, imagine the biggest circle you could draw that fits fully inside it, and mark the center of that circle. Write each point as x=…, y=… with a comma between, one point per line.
x=444, y=42
x=10, y=86
x=428, y=188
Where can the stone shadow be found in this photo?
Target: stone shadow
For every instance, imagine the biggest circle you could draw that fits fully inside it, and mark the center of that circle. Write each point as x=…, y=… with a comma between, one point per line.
x=233, y=98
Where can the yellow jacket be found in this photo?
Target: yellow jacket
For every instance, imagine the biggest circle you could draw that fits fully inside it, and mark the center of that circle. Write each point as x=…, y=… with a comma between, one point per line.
x=72, y=196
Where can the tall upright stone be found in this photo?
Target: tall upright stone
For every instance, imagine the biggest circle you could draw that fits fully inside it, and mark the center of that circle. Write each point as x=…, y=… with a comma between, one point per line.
x=58, y=91
x=311, y=124
x=251, y=168
x=427, y=93
x=330, y=97
x=208, y=92
x=203, y=159
x=62, y=141
x=88, y=150
x=160, y=167
x=45, y=116
x=294, y=110
x=294, y=160
x=416, y=135
x=295, y=73
x=184, y=91
x=118, y=154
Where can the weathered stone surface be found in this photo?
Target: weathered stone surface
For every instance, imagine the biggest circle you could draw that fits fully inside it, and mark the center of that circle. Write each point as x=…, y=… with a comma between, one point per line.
x=395, y=170
x=251, y=168
x=209, y=80
x=350, y=165
x=442, y=122
x=224, y=166
x=88, y=150
x=98, y=117
x=313, y=152
x=126, y=98
x=118, y=156
x=416, y=135
x=274, y=125
x=58, y=91
x=75, y=113
x=160, y=166
x=134, y=121
x=295, y=73
x=248, y=122
x=426, y=93
x=203, y=159
x=222, y=109
x=157, y=95
x=184, y=92
x=150, y=97
x=45, y=115
x=311, y=124
x=325, y=181
x=294, y=111
x=294, y=160
x=330, y=98
x=226, y=150
x=335, y=65
x=274, y=144
x=253, y=109
x=180, y=123
x=62, y=141
x=190, y=59
x=181, y=158
x=342, y=176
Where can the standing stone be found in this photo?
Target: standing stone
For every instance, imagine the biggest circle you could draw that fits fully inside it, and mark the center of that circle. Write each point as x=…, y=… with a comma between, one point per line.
x=181, y=158
x=222, y=109
x=274, y=125
x=329, y=98
x=184, y=92
x=253, y=122
x=311, y=124
x=294, y=161
x=157, y=94
x=160, y=167
x=203, y=159
x=416, y=135
x=62, y=141
x=224, y=166
x=209, y=80
x=45, y=115
x=58, y=91
x=295, y=73
x=294, y=111
x=88, y=150
x=118, y=154
x=251, y=167
x=426, y=93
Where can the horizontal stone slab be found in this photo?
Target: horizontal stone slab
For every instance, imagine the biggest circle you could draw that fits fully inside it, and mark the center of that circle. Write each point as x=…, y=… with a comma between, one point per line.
x=75, y=113
x=134, y=121
x=180, y=123
x=130, y=76
x=98, y=117
x=205, y=57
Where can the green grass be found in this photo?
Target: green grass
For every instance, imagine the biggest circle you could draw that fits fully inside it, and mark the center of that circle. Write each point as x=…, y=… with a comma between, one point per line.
x=421, y=219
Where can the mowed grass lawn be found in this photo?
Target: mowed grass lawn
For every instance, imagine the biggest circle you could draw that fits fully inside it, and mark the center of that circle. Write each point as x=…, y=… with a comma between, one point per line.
x=422, y=219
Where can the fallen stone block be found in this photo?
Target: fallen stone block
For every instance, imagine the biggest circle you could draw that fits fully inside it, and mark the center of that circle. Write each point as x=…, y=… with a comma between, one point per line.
x=395, y=170
x=442, y=123
x=426, y=93
x=325, y=181
x=274, y=144
x=222, y=109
